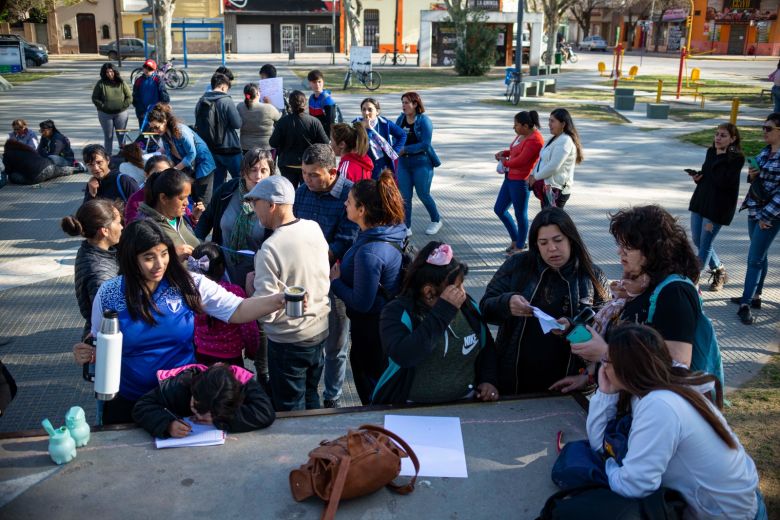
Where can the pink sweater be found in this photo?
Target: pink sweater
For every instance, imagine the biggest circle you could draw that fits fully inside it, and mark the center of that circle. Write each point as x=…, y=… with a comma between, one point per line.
x=225, y=340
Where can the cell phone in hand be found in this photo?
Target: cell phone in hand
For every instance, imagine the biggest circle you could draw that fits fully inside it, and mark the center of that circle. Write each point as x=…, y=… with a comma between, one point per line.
x=753, y=163
x=88, y=369
x=691, y=172
x=578, y=333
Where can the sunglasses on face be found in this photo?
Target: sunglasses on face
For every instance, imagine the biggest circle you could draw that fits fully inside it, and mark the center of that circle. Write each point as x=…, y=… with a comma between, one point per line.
x=767, y=128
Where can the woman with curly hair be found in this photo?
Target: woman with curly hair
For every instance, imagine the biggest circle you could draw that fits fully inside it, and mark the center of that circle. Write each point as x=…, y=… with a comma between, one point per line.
x=652, y=242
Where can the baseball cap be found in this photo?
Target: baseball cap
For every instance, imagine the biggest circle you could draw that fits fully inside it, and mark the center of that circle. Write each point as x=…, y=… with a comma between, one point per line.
x=274, y=189
x=150, y=64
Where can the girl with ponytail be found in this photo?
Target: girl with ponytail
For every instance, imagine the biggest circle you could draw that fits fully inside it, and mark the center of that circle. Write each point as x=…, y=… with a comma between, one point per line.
x=678, y=438
x=257, y=119
x=99, y=221
x=515, y=164
x=370, y=272
x=350, y=142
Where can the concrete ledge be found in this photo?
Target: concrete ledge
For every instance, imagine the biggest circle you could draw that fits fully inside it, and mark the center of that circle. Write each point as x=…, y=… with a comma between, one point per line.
x=657, y=111
x=4, y=85
x=625, y=102
x=623, y=91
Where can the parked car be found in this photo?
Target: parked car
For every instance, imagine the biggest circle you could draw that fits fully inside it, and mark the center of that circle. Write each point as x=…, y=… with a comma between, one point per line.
x=20, y=39
x=593, y=43
x=34, y=55
x=129, y=47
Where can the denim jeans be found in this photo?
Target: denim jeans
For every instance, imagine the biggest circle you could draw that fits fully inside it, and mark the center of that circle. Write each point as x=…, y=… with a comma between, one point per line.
x=415, y=172
x=59, y=160
x=514, y=193
x=225, y=163
x=109, y=123
x=295, y=372
x=757, y=263
x=336, y=348
x=703, y=240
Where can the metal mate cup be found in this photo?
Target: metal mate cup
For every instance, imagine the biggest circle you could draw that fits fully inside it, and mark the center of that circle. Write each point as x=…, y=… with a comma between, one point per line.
x=293, y=298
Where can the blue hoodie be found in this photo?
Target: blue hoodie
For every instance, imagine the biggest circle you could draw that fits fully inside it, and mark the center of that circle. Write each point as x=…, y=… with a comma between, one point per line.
x=371, y=261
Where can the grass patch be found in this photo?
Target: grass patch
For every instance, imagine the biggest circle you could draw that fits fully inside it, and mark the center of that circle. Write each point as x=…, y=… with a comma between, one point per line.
x=713, y=90
x=754, y=416
x=26, y=77
x=684, y=114
x=399, y=80
x=582, y=93
x=752, y=139
x=594, y=112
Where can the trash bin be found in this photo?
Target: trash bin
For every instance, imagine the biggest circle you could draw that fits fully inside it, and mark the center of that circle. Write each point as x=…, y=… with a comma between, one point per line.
x=558, y=58
x=508, y=76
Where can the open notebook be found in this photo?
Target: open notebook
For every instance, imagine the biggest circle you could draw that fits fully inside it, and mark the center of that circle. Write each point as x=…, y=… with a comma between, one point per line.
x=201, y=435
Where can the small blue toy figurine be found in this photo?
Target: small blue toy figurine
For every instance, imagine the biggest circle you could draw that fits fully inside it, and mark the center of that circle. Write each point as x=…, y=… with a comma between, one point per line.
x=62, y=447
x=76, y=420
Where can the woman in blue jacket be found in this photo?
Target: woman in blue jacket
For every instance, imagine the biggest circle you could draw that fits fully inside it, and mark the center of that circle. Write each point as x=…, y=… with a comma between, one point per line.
x=186, y=150
x=417, y=161
x=369, y=274
x=385, y=138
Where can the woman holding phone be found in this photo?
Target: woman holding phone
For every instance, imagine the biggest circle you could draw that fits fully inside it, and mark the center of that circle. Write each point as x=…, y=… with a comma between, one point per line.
x=555, y=275
x=714, y=200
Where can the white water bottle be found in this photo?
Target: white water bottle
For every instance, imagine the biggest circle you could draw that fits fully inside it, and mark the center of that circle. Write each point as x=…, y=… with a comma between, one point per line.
x=108, y=357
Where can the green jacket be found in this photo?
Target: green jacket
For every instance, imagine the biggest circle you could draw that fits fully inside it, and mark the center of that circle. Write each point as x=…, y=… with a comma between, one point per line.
x=111, y=99
x=180, y=235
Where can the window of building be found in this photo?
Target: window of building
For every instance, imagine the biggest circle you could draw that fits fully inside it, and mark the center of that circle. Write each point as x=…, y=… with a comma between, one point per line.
x=318, y=35
x=68, y=32
x=105, y=32
x=290, y=35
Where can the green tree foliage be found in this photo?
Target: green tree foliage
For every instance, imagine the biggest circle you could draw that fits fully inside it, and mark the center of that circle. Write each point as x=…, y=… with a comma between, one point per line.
x=475, y=50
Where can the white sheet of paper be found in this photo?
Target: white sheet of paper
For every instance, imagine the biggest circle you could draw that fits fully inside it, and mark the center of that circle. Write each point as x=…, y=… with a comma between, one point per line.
x=437, y=441
x=547, y=322
x=201, y=435
x=273, y=89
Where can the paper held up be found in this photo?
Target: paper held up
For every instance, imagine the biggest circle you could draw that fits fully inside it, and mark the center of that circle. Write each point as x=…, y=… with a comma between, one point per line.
x=272, y=88
x=437, y=442
x=547, y=322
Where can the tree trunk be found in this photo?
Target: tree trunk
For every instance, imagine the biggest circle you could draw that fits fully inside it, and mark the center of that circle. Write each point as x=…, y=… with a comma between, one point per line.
x=353, y=21
x=164, y=19
x=553, y=20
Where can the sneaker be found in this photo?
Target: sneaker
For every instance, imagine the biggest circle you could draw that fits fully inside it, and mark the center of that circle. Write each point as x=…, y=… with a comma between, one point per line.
x=718, y=278
x=330, y=403
x=433, y=228
x=755, y=303
x=408, y=232
x=745, y=315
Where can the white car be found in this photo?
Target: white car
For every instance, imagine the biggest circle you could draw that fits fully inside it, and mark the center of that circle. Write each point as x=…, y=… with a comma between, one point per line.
x=593, y=43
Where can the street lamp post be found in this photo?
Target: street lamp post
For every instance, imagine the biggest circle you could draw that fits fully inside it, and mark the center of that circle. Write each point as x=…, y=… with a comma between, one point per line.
x=519, y=41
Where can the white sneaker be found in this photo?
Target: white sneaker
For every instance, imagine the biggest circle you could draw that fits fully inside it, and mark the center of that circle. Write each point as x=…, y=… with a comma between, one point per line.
x=433, y=228
x=408, y=232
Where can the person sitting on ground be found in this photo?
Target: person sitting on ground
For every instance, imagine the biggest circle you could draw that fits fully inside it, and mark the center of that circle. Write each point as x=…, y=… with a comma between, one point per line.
x=321, y=104
x=105, y=184
x=157, y=300
x=350, y=142
x=186, y=150
x=166, y=197
x=257, y=119
x=22, y=134
x=226, y=396
x=557, y=276
x=133, y=162
x=438, y=345
x=322, y=198
x=216, y=341
x=99, y=221
x=369, y=274
x=155, y=163
x=293, y=134
x=295, y=255
x=54, y=145
x=692, y=450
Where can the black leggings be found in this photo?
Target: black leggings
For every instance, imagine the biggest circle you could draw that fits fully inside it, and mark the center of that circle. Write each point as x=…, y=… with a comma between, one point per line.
x=118, y=410
x=366, y=357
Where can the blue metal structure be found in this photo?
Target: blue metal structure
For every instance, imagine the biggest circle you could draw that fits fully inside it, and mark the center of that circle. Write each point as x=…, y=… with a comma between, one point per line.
x=205, y=24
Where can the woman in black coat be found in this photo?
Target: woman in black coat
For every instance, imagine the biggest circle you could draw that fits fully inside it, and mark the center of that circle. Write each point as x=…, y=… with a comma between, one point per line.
x=714, y=200
x=293, y=134
x=557, y=276
x=99, y=221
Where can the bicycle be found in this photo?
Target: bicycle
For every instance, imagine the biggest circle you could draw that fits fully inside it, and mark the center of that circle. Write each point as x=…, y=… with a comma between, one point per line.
x=400, y=59
x=372, y=79
x=174, y=78
x=513, y=88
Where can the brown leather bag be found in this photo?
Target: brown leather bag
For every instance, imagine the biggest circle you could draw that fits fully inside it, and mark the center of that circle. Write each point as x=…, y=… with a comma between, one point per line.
x=359, y=463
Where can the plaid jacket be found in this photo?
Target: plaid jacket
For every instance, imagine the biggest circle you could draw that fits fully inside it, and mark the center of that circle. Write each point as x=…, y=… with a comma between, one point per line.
x=770, y=178
x=327, y=209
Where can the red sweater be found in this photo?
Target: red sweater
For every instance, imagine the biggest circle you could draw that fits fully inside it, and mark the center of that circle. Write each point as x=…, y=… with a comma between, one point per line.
x=356, y=167
x=522, y=157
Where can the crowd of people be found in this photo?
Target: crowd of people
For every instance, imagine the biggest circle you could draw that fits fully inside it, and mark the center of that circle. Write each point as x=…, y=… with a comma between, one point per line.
x=197, y=267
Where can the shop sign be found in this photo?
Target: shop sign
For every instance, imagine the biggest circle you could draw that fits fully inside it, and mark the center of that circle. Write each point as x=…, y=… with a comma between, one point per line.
x=674, y=15
x=739, y=12
x=311, y=6
x=485, y=5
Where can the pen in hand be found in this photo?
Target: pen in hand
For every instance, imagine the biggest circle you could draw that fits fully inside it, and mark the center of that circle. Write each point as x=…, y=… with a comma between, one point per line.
x=178, y=427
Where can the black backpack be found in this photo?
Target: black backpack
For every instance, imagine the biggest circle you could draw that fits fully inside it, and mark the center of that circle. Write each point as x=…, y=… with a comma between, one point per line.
x=208, y=124
x=597, y=501
x=408, y=252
